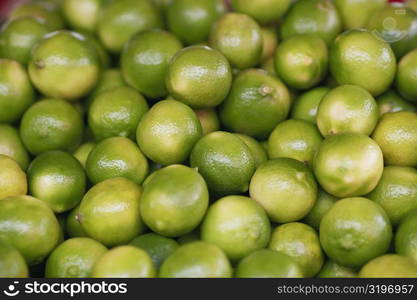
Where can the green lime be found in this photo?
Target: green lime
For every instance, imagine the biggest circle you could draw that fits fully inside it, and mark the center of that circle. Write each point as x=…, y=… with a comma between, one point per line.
x=354, y=231
x=334, y=270
x=300, y=242
x=208, y=119
x=348, y=165
x=72, y=225
x=390, y=101
x=11, y=145
x=18, y=36
x=396, y=192
x=358, y=57
x=238, y=225
x=74, y=258
x=145, y=60
x=269, y=66
x=301, y=61
x=196, y=260
x=82, y=14
x=270, y=42
x=116, y=157
x=30, y=226
x=347, y=109
x=116, y=112
x=157, y=246
x=406, y=80
x=239, y=38
x=225, y=162
x=199, y=76
x=268, y=264
x=57, y=178
x=12, y=263
x=191, y=20
x=51, y=124
x=189, y=237
x=396, y=24
x=297, y=139
x=312, y=16
x=103, y=55
x=68, y=56
x=119, y=20
x=396, y=134
x=306, y=105
x=12, y=179
x=109, y=211
x=323, y=203
x=168, y=132
x=82, y=152
x=124, y=262
x=174, y=200
x=162, y=5
x=258, y=152
x=17, y=92
x=406, y=236
x=280, y=179
x=390, y=266
x=45, y=10
x=356, y=13
x=256, y=104
x=263, y=11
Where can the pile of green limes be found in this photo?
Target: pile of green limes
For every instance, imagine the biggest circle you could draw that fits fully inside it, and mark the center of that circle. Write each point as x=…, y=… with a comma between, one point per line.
x=208, y=138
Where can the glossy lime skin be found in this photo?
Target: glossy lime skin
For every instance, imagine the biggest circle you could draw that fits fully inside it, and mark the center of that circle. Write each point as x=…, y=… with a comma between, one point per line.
x=72, y=225
x=120, y=20
x=345, y=109
x=157, y=246
x=18, y=93
x=109, y=211
x=306, y=105
x=390, y=101
x=397, y=25
x=406, y=79
x=270, y=42
x=82, y=152
x=196, y=260
x=297, y=139
x=18, y=36
x=263, y=11
x=116, y=157
x=199, y=76
x=168, y=132
x=116, y=112
x=323, y=203
x=174, y=200
x=192, y=20
x=103, y=55
x=357, y=57
x=109, y=79
x=406, y=236
x=268, y=264
x=209, y=120
x=301, y=61
x=259, y=154
x=30, y=226
x=82, y=14
x=11, y=145
x=390, y=266
x=224, y=161
x=317, y=16
x=68, y=56
x=280, y=179
x=57, y=178
x=12, y=178
x=124, y=262
x=145, y=60
x=239, y=38
x=51, y=124
x=256, y=103
x=356, y=13
x=354, y=231
x=238, y=225
x=348, y=165
x=396, y=134
x=12, y=263
x=334, y=270
x=74, y=258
